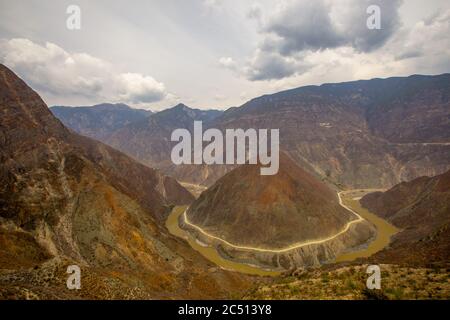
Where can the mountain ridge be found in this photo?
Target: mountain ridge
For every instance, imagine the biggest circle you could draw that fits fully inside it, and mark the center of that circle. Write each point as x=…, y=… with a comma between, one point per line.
x=100, y=120
x=359, y=134
x=421, y=208
x=66, y=199
x=272, y=213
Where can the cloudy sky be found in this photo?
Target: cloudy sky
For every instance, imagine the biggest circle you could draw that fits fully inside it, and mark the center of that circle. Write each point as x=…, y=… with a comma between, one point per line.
x=214, y=53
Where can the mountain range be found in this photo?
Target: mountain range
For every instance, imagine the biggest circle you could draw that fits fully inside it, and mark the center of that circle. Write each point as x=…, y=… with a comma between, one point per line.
x=369, y=133
x=96, y=187
x=98, y=121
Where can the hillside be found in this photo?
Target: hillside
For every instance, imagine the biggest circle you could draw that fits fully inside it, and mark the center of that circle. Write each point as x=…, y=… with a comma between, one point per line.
x=275, y=212
x=369, y=134
x=98, y=121
x=148, y=140
x=349, y=283
x=66, y=199
x=421, y=208
x=360, y=134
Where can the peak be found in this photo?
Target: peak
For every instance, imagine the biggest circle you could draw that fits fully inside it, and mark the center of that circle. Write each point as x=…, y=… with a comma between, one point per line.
x=112, y=106
x=181, y=106
x=18, y=97
x=23, y=108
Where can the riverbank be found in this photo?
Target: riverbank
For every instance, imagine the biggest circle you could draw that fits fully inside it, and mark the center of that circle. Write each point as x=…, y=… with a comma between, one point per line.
x=347, y=199
x=385, y=230
x=209, y=252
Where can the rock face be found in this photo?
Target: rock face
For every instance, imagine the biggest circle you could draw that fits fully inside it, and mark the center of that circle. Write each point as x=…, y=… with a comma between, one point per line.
x=98, y=121
x=367, y=134
x=32, y=139
x=275, y=212
x=373, y=133
x=66, y=199
x=421, y=208
x=148, y=140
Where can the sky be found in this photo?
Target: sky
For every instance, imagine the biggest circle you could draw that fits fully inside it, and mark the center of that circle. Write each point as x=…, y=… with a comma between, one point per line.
x=207, y=54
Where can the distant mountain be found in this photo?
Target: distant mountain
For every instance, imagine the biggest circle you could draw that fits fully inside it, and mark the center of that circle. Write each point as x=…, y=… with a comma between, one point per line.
x=371, y=133
x=67, y=199
x=421, y=209
x=100, y=120
x=275, y=212
x=148, y=140
x=390, y=107
x=368, y=133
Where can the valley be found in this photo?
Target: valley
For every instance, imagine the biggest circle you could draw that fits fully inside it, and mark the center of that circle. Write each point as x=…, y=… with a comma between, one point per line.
x=193, y=151
x=359, y=134
x=211, y=253
x=385, y=230
x=347, y=199
x=350, y=191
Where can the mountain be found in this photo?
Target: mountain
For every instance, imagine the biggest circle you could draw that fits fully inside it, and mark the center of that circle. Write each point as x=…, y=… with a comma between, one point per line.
x=410, y=110
x=247, y=209
x=371, y=133
x=148, y=140
x=98, y=121
x=421, y=208
x=67, y=199
x=368, y=133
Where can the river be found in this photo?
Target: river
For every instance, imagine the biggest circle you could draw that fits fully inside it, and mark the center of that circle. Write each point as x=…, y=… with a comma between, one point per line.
x=385, y=230
x=349, y=198
x=211, y=253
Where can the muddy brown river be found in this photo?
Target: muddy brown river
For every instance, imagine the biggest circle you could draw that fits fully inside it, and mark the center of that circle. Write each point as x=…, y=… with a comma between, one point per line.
x=350, y=198
x=208, y=252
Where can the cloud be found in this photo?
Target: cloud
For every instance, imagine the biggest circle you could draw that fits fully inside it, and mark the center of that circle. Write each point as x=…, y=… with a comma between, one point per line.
x=220, y=97
x=321, y=24
x=298, y=28
x=268, y=66
x=422, y=48
x=137, y=88
x=227, y=62
x=409, y=54
x=428, y=38
x=255, y=12
x=212, y=3
x=51, y=70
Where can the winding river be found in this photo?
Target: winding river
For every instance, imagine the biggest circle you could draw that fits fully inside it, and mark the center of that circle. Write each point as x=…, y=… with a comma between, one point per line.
x=385, y=230
x=348, y=199
x=208, y=252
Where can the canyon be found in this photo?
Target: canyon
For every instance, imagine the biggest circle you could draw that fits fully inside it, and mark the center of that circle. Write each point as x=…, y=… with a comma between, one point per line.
x=107, y=204
x=283, y=221
x=360, y=134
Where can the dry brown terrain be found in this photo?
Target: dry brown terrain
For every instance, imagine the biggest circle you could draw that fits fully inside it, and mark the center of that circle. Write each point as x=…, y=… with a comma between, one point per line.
x=66, y=199
x=421, y=209
x=276, y=212
x=360, y=134
x=349, y=283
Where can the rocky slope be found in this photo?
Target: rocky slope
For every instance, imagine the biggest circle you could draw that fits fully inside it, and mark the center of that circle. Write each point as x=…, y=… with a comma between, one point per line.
x=98, y=121
x=369, y=134
x=349, y=283
x=148, y=140
x=66, y=199
x=274, y=212
x=421, y=208
x=358, y=134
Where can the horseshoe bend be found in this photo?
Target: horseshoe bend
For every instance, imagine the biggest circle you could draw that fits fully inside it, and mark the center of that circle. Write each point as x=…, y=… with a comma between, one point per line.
x=70, y=201
x=288, y=220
